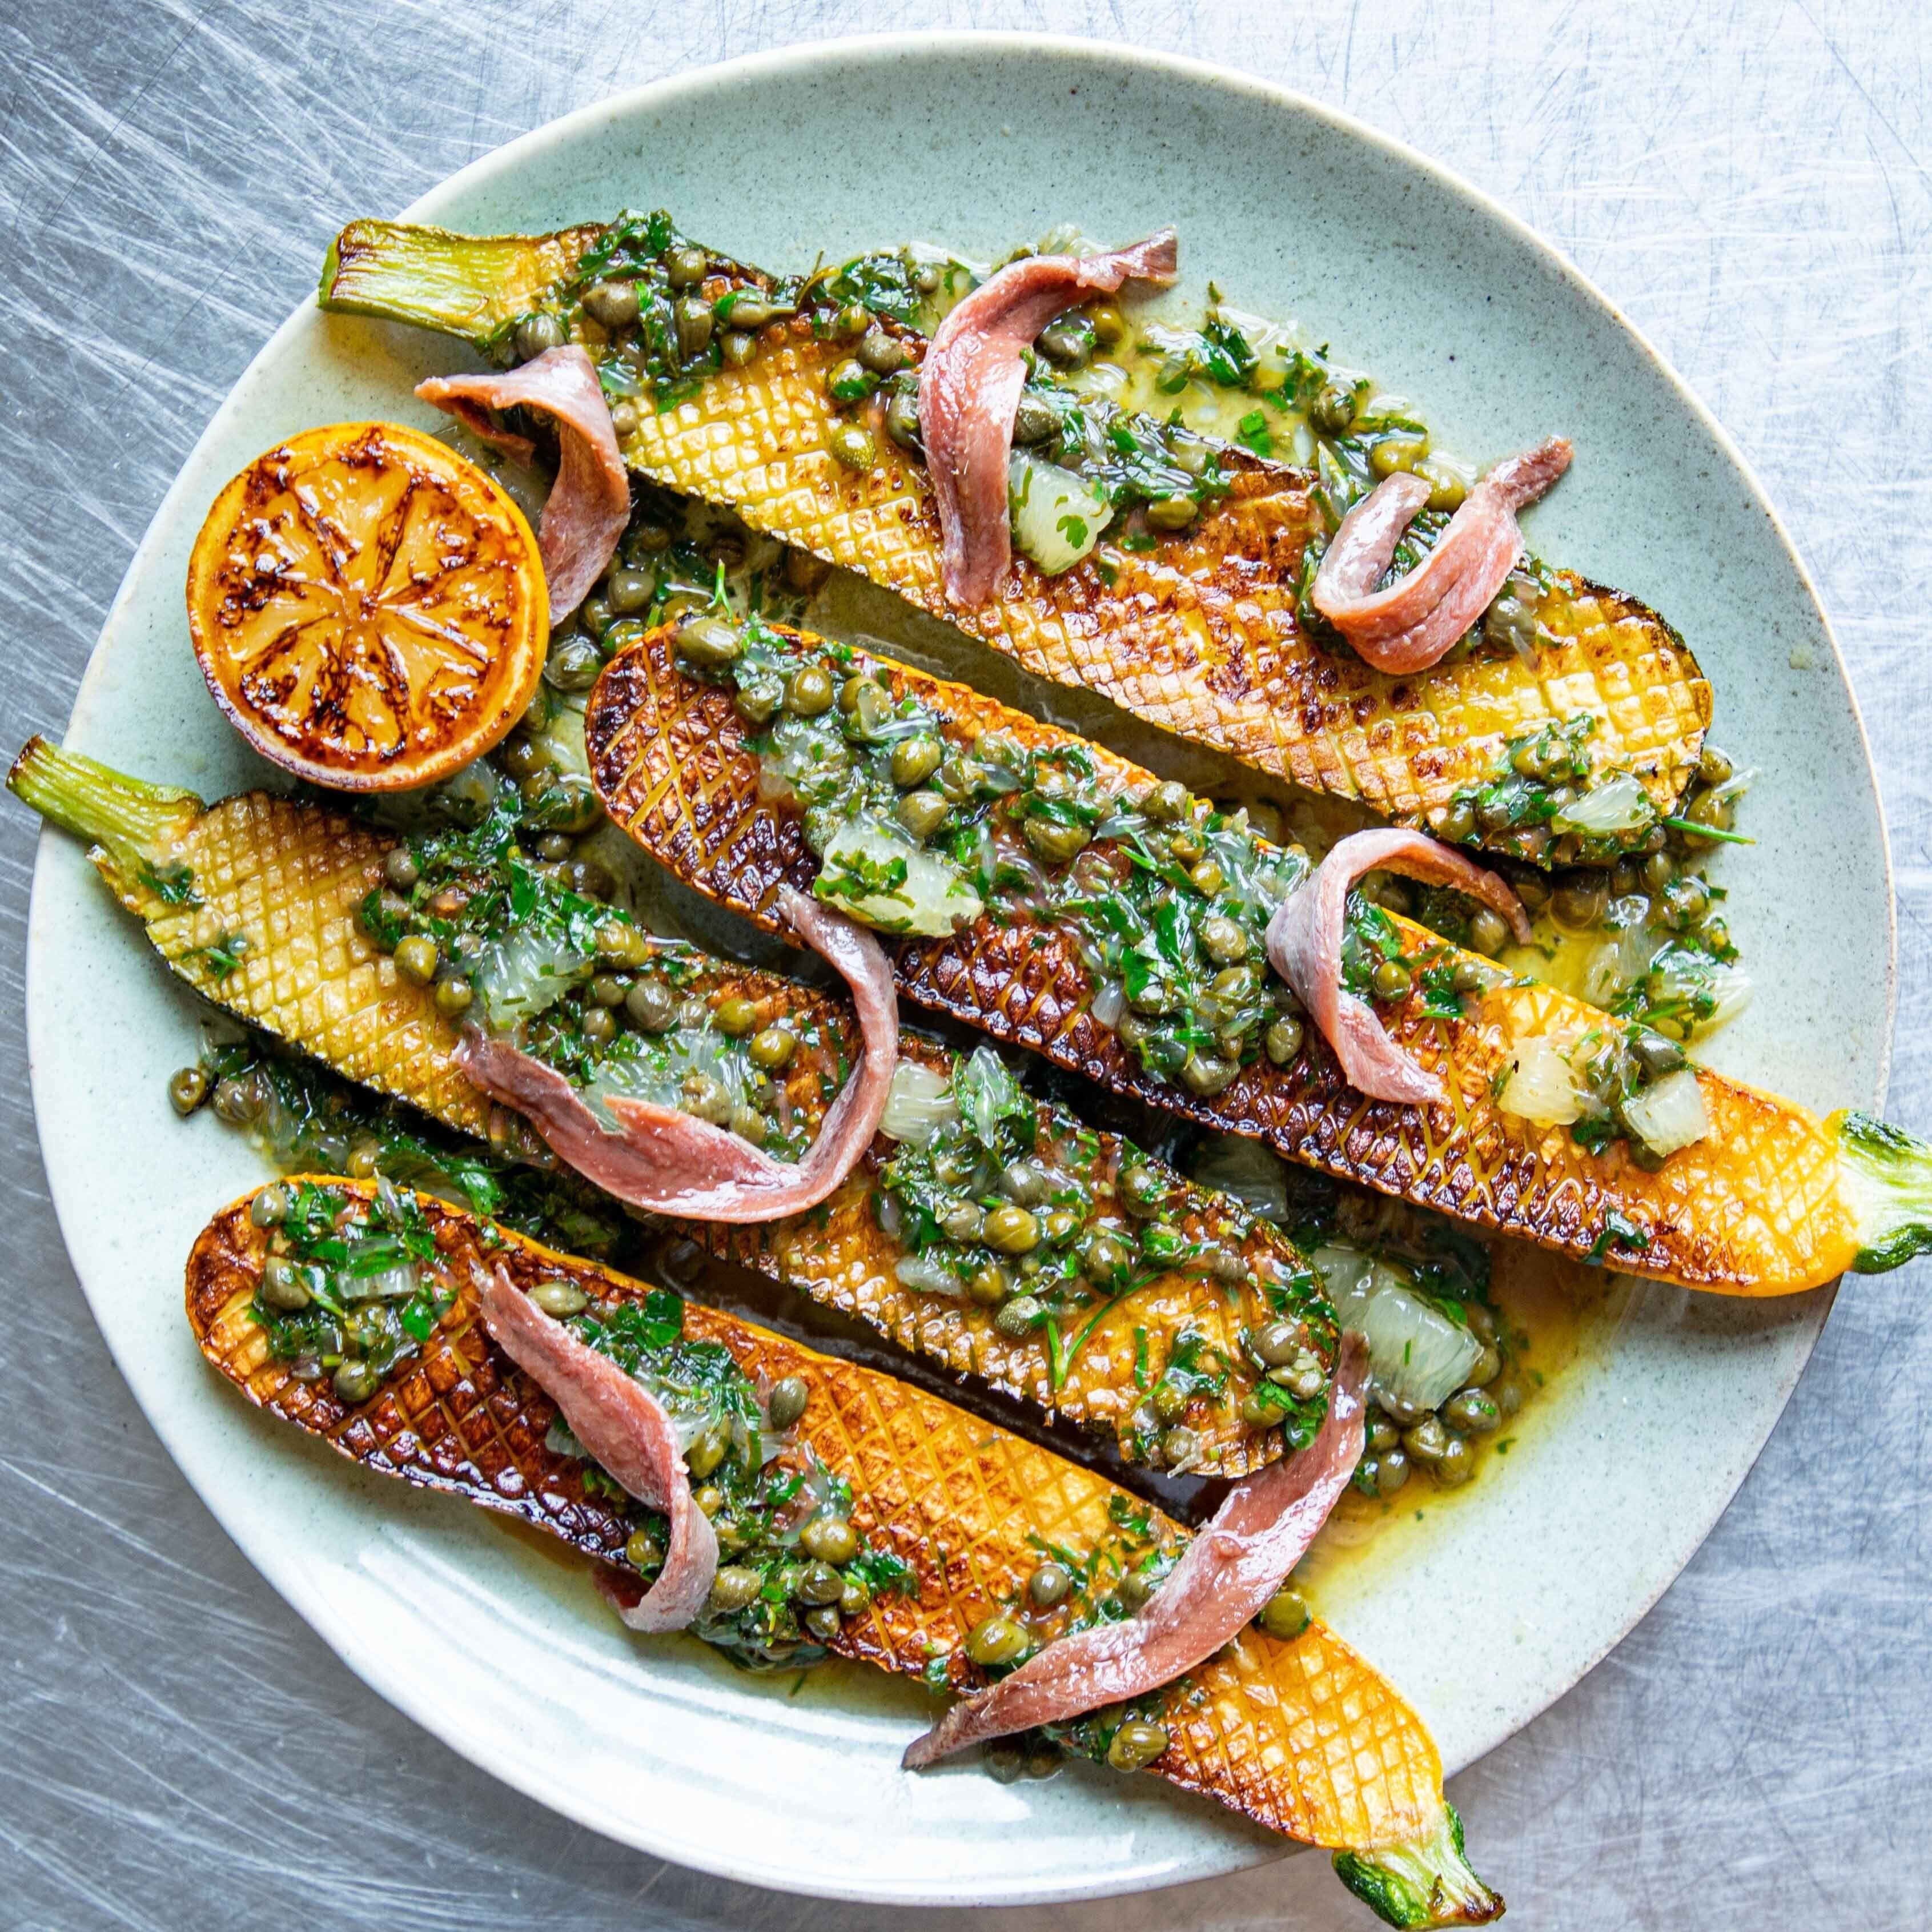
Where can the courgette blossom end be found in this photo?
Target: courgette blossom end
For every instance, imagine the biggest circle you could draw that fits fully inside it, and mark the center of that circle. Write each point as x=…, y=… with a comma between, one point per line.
x=1888, y=1178
x=1424, y=1882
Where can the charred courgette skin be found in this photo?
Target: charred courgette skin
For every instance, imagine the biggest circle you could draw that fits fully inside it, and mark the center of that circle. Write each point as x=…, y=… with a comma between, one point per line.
x=1755, y=1208
x=271, y=886
x=1198, y=634
x=1304, y=1737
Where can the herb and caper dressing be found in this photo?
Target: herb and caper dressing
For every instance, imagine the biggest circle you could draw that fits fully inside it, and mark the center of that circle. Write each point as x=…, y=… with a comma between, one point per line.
x=350, y=1289
x=793, y=1564
x=1007, y=1203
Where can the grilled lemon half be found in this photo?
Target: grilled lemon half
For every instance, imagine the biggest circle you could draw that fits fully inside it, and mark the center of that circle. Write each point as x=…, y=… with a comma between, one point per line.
x=368, y=608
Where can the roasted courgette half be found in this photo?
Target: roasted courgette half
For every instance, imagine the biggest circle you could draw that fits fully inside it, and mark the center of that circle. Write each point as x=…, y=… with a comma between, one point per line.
x=1188, y=1331
x=742, y=391
x=1038, y=851
x=934, y=1522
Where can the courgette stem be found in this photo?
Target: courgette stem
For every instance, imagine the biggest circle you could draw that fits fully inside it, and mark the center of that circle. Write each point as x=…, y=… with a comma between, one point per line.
x=1424, y=1881
x=1887, y=1177
x=94, y=802
x=465, y=285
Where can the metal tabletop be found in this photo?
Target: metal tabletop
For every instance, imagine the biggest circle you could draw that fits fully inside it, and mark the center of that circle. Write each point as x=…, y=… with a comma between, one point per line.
x=1748, y=182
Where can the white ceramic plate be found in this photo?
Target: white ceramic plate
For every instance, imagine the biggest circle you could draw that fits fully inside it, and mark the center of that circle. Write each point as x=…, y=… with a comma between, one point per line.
x=979, y=142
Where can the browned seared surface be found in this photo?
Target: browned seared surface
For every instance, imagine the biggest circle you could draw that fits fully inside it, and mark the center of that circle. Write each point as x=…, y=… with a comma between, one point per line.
x=1755, y=1208
x=1303, y=1737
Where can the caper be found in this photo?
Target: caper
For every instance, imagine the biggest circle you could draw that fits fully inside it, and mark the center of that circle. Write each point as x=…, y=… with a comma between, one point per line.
x=1178, y=1446
x=685, y=266
x=573, y=663
x=187, y=1090
x=559, y=1298
x=1004, y=1761
x=613, y=304
x=642, y=1550
x=1391, y=1472
x=595, y=615
x=711, y=643
x=1035, y=419
x=650, y=1006
x=1168, y=1402
x=1332, y=411
x=1713, y=767
x=1059, y=1226
x=915, y=760
x=1711, y=808
x=1049, y=1585
x=694, y=320
x=1403, y=449
x=1278, y=1344
x=1457, y=821
x=1508, y=1398
x=962, y=1221
x=1659, y=869
x=1043, y=1759
x=735, y=1017
x=747, y=311
x=1233, y=986
x=1166, y=803
x=822, y=1622
x=523, y=758
x=1172, y=513
x=1105, y=1256
x=283, y=1286
x=270, y=1207
x=537, y=333
x=809, y=691
x=1489, y=932
x=1283, y=1040
x=772, y=1048
x=921, y=813
x=996, y=1640
x=1142, y=1189
x=417, y=959
x=1426, y=1440
x=705, y=1098
x=854, y=446
x=1472, y=1412
x=1258, y=1411
x=902, y=419
x=1655, y=1055
x=365, y=1157
x=239, y=1100
x=1020, y=1316
x=707, y=1450
x=739, y=347
x=1580, y=897
x=1207, y=1074
x=788, y=1401
x=990, y=1286
x=854, y=319
x=624, y=420
x=1390, y=980
x=1186, y=844
x=734, y=1587
x=1466, y=976
x=628, y=591
x=1054, y=843
x=356, y=1381
x=599, y=1025
x=748, y=1124
x=1284, y=1615
x=881, y=352
x=1012, y=1230
x=1222, y=940
x=1489, y=1365
x=710, y=1498
x=855, y=1598
x=831, y=1539
x=1135, y=1589
x=1456, y=1464
x=1068, y=340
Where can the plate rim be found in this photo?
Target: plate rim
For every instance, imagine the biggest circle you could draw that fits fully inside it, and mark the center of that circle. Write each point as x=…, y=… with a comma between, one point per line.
x=367, y=1660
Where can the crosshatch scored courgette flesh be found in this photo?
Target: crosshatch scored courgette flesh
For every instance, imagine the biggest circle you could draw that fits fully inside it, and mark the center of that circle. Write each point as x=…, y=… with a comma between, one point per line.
x=270, y=886
x=1197, y=634
x=1303, y=1737
x=1770, y=1202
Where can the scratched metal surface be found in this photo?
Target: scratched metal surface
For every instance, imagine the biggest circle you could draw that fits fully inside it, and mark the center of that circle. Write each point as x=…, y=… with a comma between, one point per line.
x=176, y=1749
